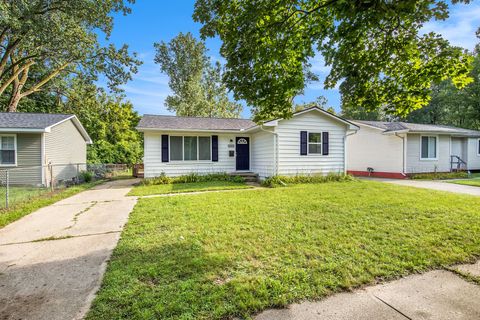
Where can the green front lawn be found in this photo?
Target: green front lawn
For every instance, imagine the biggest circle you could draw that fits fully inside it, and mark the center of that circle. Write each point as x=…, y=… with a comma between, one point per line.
x=145, y=190
x=221, y=255
x=469, y=182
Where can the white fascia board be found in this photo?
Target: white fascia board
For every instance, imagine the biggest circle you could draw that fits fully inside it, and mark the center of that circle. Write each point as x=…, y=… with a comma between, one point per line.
x=396, y=131
x=186, y=130
x=26, y=130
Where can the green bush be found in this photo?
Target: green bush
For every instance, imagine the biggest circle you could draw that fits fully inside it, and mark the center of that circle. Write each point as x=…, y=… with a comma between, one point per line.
x=86, y=176
x=440, y=175
x=277, y=181
x=192, y=177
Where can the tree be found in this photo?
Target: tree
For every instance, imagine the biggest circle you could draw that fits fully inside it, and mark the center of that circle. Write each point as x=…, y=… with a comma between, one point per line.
x=452, y=106
x=320, y=102
x=51, y=39
x=374, y=48
x=198, y=89
x=109, y=121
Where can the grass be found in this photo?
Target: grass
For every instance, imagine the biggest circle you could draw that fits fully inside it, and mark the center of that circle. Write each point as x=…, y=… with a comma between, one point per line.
x=221, y=255
x=145, y=190
x=21, y=194
x=28, y=201
x=469, y=182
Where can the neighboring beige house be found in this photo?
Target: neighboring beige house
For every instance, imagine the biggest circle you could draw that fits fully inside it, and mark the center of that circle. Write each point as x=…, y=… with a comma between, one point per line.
x=29, y=142
x=396, y=149
x=311, y=142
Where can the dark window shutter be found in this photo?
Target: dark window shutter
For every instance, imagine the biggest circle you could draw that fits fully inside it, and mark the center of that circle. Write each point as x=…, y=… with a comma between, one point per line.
x=214, y=148
x=164, y=147
x=303, y=143
x=325, y=143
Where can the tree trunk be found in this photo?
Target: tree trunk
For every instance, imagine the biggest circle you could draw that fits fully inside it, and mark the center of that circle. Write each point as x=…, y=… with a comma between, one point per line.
x=17, y=87
x=15, y=98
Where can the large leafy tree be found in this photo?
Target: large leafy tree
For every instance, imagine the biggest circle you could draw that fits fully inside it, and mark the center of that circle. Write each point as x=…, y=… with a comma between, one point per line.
x=374, y=48
x=108, y=118
x=452, y=106
x=197, y=86
x=110, y=122
x=43, y=41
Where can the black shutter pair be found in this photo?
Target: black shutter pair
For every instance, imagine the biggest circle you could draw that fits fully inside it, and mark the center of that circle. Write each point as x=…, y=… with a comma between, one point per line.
x=304, y=143
x=165, y=148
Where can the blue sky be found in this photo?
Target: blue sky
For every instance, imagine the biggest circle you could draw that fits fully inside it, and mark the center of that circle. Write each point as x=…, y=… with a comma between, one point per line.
x=154, y=21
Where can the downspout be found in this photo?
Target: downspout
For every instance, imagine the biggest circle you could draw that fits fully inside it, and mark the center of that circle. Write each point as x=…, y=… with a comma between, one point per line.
x=403, y=152
x=345, y=153
x=275, y=149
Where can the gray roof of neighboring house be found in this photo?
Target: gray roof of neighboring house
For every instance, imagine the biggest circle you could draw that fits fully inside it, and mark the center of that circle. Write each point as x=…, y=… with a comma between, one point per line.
x=150, y=121
x=20, y=120
x=37, y=122
x=417, y=127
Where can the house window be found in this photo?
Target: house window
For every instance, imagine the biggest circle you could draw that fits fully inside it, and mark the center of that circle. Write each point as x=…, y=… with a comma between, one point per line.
x=7, y=150
x=478, y=147
x=315, y=142
x=190, y=148
x=429, y=147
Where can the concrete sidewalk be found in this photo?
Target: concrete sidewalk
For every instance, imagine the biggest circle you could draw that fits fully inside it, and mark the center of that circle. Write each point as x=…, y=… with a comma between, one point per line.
x=439, y=295
x=436, y=185
x=52, y=261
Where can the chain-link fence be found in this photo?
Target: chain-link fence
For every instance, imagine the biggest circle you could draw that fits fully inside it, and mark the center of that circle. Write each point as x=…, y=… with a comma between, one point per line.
x=22, y=184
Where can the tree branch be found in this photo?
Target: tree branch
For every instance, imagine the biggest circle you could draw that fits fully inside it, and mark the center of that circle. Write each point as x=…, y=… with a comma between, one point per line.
x=44, y=81
x=14, y=76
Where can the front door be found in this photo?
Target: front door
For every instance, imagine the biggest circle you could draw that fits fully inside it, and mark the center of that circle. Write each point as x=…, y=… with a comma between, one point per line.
x=242, y=149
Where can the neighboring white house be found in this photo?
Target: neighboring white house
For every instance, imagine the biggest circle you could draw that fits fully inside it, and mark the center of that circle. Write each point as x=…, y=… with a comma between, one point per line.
x=311, y=142
x=396, y=149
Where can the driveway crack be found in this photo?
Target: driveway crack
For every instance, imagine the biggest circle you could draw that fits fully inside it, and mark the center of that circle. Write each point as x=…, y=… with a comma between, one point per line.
x=60, y=238
x=75, y=217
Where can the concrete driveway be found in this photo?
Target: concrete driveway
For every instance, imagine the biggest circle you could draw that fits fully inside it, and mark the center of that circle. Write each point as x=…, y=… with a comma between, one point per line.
x=435, y=295
x=52, y=261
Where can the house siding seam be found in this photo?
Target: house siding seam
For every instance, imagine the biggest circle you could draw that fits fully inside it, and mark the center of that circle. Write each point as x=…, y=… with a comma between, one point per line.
x=65, y=147
x=290, y=162
x=262, y=154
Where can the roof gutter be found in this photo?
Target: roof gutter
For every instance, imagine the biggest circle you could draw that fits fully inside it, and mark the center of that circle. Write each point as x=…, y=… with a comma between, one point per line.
x=187, y=130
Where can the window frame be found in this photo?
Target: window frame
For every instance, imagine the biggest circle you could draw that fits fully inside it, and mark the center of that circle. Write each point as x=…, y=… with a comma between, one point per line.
x=14, y=135
x=437, y=144
x=183, y=148
x=317, y=143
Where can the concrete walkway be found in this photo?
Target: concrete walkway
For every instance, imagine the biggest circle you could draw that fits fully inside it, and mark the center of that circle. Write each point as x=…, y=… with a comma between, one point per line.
x=52, y=261
x=436, y=185
x=439, y=295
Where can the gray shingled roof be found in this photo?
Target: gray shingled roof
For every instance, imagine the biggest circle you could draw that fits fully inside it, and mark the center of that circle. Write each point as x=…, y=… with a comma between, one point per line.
x=20, y=120
x=417, y=127
x=150, y=121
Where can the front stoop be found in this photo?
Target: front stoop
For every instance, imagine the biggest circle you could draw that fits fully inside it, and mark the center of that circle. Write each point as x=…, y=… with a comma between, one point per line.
x=247, y=175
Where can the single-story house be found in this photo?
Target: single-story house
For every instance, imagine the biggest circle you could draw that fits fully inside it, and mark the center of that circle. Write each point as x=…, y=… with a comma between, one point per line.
x=396, y=149
x=311, y=142
x=29, y=142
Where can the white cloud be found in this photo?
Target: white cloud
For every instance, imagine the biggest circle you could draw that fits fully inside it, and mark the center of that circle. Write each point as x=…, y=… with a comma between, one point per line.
x=460, y=27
